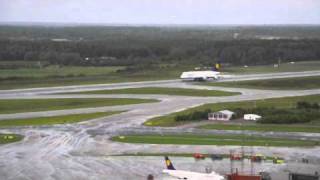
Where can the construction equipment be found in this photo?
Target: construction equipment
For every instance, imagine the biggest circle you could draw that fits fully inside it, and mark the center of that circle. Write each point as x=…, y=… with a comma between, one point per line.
x=257, y=158
x=237, y=176
x=278, y=160
x=216, y=157
x=236, y=157
x=199, y=156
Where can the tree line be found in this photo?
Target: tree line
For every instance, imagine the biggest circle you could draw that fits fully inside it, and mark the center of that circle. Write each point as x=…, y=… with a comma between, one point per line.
x=137, y=51
x=114, y=46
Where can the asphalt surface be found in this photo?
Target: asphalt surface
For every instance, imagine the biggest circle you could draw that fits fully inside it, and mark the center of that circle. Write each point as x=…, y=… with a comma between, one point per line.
x=82, y=150
x=80, y=88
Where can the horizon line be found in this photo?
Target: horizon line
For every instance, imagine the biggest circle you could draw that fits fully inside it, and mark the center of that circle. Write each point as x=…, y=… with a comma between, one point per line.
x=43, y=23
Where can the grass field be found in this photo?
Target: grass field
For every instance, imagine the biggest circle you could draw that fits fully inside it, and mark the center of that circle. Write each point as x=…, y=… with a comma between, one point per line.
x=54, y=76
x=284, y=67
x=10, y=138
x=311, y=82
x=288, y=102
x=66, y=119
x=53, y=71
x=165, y=91
x=264, y=127
x=219, y=140
x=19, y=64
x=32, y=105
x=29, y=78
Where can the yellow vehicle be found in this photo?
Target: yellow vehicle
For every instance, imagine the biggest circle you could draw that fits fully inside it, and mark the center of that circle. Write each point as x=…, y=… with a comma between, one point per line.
x=277, y=160
x=257, y=158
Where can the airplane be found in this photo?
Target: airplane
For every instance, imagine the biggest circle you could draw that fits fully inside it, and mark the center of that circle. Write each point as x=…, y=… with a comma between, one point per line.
x=188, y=175
x=207, y=75
x=199, y=75
x=203, y=76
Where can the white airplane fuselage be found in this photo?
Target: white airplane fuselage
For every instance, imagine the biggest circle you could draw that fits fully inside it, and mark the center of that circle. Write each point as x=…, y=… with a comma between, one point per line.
x=199, y=75
x=179, y=174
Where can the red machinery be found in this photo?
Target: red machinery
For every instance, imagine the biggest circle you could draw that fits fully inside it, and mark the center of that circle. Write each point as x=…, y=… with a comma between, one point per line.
x=236, y=176
x=237, y=157
x=199, y=156
x=257, y=158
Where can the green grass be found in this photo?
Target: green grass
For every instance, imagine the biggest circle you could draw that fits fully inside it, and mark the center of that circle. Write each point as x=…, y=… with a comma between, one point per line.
x=219, y=140
x=288, y=102
x=69, y=81
x=264, y=127
x=10, y=138
x=284, y=67
x=32, y=105
x=30, y=78
x=19, y=64
x=311, y=82
x=69, y=75
x=66, y=119
x=52, y=71
x=166, y=91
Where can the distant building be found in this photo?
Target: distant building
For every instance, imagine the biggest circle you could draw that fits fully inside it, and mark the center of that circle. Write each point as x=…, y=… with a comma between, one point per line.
x=224, y=115
x=251, y=117
x=107, y=58
x=236, y=35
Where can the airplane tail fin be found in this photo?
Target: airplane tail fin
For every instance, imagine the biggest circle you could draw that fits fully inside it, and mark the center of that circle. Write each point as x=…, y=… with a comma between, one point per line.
x=169, y=163
x=217, y=66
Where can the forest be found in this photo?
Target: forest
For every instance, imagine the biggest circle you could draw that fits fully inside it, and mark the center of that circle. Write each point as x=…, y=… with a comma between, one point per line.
x=127, y=46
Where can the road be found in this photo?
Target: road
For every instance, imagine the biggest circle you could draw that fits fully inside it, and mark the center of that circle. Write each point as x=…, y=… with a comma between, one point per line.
x=82, y=151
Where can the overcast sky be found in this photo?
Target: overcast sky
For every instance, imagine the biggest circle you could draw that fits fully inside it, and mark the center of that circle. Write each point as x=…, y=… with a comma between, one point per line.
x=162, y=11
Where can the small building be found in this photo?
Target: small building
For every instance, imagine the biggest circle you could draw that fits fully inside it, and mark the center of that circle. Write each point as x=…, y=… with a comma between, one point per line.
x=224, y=115
x=251, y=117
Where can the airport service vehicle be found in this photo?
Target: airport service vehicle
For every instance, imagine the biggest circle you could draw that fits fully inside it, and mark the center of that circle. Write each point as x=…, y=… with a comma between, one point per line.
x=277, y=160
x=257, y=158
x=199, y=156
x=216, y=157
x=180, y=174
x=236, y=157
x=236, y=176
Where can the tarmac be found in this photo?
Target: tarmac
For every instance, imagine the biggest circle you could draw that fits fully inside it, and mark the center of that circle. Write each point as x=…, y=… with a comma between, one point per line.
x=84, y=151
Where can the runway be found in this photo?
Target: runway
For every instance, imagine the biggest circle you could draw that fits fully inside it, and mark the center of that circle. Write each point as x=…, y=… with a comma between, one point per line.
x=82, y=150
x=81, y=88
